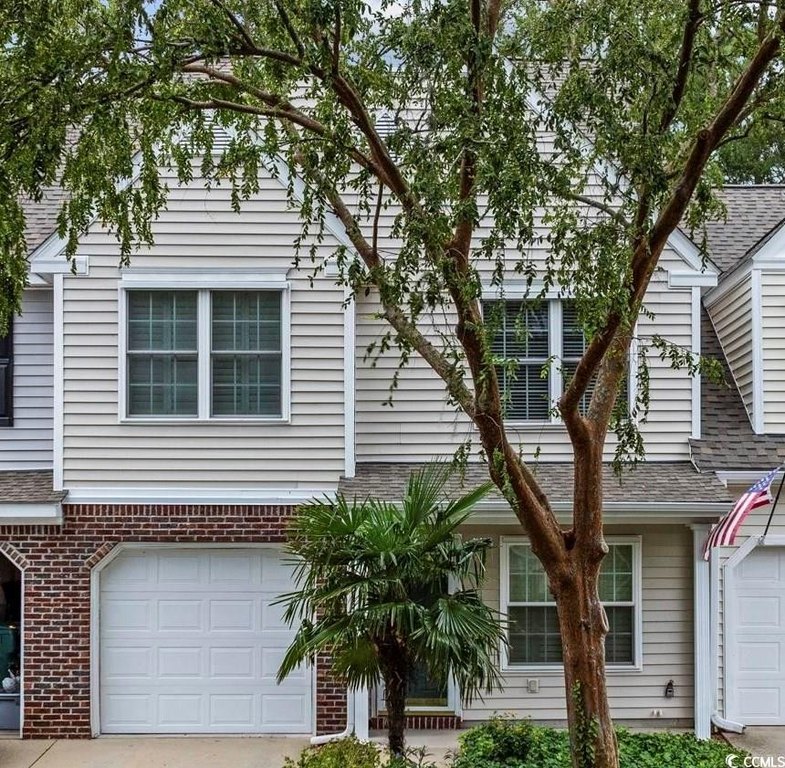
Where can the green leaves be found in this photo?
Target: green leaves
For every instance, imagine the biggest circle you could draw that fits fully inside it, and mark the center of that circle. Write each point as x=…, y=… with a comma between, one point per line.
x=372, y=574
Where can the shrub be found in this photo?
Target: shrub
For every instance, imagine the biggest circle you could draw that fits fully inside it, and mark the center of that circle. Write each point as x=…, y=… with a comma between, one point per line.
x=505, y=743
x=346, y=753
x=498, y=742
x=351, y=753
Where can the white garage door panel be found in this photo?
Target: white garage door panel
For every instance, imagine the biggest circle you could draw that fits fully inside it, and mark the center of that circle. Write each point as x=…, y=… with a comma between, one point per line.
x=757, y=633
x=191, y=644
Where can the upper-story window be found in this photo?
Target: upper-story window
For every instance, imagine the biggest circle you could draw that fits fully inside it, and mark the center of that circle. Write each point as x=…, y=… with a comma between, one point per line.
x=162, y=353
x=7, y=378
x=204, y=354
x=541, y=343
x=522, y=336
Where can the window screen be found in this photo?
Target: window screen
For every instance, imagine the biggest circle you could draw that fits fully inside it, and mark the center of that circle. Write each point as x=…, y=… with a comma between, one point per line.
x=162, y=353
x=246, y=354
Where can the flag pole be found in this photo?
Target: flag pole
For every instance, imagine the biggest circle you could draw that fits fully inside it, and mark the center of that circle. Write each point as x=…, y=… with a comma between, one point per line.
x=774, y=505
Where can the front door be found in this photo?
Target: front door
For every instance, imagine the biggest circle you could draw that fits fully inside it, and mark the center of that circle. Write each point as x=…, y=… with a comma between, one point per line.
x=424, y=693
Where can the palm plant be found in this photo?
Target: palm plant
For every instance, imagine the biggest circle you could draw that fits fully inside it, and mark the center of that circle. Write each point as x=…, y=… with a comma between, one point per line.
x=372, y=591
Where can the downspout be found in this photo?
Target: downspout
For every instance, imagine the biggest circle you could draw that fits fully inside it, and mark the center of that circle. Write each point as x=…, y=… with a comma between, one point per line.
x=717, y=720
x=726, y=725
x=346, y=732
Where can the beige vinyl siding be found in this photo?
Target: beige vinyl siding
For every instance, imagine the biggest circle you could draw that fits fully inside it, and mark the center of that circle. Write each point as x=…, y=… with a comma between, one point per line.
x=421, y=425
x=199, y=230
x=731, y=316
x=666, y=566
x=773, y=332
x=28, y=443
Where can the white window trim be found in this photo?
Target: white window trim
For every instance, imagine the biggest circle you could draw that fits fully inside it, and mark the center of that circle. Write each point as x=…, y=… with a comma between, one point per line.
x=203, y=283
x=637, y=590
x=555, y=333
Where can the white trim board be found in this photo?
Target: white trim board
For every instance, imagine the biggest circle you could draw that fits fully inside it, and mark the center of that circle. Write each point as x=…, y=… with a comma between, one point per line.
x=349, y=383
x=527, y=670
x=703, y=659
x=31, y=514
x=758, y=402
x=729, y=282
x=204, y=282
x=170, y=495
x=58, y=382
x=695, y=383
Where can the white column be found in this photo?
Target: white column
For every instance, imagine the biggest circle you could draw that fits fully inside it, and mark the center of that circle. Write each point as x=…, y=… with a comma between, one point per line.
x=361, y=713
x=704, y=695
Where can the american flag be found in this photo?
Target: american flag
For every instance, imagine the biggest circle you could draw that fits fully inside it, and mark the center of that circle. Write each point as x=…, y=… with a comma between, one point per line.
x=723, y=534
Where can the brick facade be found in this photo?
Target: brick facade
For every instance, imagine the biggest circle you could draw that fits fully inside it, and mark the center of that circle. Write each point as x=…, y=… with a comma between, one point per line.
x=58, y=561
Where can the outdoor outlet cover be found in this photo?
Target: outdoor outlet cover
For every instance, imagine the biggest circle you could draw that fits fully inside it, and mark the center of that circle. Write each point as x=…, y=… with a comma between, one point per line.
x=533, y=686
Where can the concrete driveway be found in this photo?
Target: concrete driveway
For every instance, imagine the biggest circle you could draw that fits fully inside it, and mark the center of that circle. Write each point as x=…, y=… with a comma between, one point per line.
x=761, y=741
x=187, y=751
x=158, y=752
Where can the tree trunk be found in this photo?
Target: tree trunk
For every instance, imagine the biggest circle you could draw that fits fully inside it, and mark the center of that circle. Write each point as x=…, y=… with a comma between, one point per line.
x=395, y=685
x=583, y=626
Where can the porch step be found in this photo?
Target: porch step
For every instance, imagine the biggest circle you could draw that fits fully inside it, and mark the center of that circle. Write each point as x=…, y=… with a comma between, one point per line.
x=427, y=721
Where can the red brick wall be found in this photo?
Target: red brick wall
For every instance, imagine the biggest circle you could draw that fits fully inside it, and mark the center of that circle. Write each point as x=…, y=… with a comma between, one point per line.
x=58, y=561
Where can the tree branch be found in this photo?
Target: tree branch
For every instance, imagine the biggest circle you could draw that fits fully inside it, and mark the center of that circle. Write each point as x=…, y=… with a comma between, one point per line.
x=236, y=23
x=694, y=20
x=647, y=253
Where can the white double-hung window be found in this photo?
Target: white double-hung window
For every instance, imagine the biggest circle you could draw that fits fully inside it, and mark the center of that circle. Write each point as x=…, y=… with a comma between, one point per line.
x=533, y=623
x=537, y=345
x=204, y=353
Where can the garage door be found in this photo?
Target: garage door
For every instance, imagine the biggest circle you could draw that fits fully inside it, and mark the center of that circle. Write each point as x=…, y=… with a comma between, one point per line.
x=190, y=643
x=756, y=634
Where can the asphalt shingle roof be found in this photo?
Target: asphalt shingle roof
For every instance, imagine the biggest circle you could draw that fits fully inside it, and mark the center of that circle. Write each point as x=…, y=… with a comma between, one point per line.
x=650, y=481
x=728, y=441
x=28, y=487
x=41, y=216
x=753, y=212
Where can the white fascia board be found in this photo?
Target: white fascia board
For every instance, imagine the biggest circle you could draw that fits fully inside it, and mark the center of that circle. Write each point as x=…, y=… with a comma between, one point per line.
x=170, y=495
x=331, y=222
x=772, y=250
x=499, y=513
x=691, y=279
x=729, y=281
x=741, y=476
x=36, y=281
x=30, y=514
x=690, y=253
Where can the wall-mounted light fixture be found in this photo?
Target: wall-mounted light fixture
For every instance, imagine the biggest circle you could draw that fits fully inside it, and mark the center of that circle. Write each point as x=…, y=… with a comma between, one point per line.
x=670, y=691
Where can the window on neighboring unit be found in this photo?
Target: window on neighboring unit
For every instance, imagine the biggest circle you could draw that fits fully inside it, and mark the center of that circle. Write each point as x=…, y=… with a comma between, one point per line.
x=204, y=354
x=246, y=353
x=533, y=624
x=522, y=337
x=7, y=377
